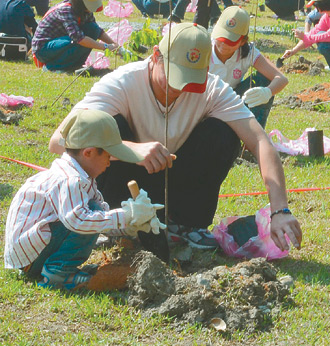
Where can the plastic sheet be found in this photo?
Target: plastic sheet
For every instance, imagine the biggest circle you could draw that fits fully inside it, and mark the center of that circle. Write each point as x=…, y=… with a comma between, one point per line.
x=120, y=32
x=295, y=147
x=259, y=246
x=15, y=101
x=118, y=9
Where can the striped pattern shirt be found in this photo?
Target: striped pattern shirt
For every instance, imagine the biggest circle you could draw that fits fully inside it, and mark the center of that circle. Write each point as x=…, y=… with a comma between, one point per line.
x=61, y=194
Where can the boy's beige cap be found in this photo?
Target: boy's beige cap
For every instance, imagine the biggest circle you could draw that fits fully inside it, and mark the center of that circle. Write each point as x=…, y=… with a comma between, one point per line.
x=189, y=56
x=233, y=23
x=86, y=128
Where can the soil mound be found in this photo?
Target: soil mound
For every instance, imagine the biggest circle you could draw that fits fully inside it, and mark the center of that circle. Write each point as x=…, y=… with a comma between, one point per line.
x=241, y=297
x=311, y=98
x=313, y=68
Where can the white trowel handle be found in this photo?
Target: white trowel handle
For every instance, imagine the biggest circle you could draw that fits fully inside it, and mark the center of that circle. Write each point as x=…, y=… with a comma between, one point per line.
x=133, y=188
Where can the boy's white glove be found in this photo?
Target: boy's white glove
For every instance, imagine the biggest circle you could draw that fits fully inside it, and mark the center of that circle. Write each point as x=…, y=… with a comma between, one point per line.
x=257, y=96
x=140, y=210
x=154, y=225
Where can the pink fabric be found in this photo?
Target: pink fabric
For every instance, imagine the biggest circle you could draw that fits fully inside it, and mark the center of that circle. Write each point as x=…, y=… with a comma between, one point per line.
x=313, y=36
x=120, y=32
x=192, y=6
x=15, y=101
x=259, y=246
x=98, y=60
x=166, y=28
x=118, y=9
x=298, y=146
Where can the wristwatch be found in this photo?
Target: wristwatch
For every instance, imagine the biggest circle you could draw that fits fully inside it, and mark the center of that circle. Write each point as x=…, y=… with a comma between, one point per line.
x=280, y=211
x=106, y=46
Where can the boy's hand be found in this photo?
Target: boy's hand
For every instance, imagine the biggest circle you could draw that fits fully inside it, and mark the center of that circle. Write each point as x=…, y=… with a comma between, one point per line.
x=141, y=210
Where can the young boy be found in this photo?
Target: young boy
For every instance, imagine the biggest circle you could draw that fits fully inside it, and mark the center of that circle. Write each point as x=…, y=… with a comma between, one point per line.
x=55, y=218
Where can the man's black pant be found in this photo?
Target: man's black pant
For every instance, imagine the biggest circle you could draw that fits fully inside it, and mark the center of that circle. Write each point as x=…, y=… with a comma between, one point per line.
x=202, y=164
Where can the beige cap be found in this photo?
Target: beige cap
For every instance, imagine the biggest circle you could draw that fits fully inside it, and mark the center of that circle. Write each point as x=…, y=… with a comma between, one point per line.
x=93, y=5
x=189, y=57
x=86, y=128
x=233, y=23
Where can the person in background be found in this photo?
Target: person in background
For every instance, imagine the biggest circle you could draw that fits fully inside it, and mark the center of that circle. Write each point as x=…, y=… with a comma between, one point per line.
x=150, y=8
x=212, y=11
x=206, y=120
x=312, y=18
x=56, y=217
x=233, y=56
x=17, y=19
x=42, y=6
x=320, y=34
x=66, y=35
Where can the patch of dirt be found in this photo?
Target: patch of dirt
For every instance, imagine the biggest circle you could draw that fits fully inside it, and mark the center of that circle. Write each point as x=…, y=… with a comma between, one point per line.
x=195, y=288
x=8, y=116
x=310, y=98
x=243, y=297
x=303, y=66
x=262, y=43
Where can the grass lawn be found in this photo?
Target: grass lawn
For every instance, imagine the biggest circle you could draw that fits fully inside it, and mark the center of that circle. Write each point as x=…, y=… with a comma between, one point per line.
x=32, y=316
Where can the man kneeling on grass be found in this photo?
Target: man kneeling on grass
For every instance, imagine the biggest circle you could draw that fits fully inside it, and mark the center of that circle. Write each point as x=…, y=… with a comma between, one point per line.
x=55, y=218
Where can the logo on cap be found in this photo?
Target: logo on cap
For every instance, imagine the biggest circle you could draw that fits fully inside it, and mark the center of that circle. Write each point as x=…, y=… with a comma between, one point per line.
x=193, y=55
x=231, y=23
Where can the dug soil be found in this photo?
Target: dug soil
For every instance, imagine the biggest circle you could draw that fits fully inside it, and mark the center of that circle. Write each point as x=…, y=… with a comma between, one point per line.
x=194, y=288
x=314, y=98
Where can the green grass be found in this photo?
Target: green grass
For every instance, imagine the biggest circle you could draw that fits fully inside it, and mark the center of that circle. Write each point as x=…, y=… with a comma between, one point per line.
x=32, y=316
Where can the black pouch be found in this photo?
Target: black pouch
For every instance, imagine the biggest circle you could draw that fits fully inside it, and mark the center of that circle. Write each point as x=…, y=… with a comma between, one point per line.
x=13, y=48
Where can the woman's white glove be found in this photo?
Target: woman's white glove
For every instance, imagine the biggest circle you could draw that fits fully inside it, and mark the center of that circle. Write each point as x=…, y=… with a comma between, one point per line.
x=257, y=96
x=141, y=210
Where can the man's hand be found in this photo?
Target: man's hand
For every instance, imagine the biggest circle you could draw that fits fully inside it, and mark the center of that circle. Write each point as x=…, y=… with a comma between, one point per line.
x=285, y=224
x=157, y=156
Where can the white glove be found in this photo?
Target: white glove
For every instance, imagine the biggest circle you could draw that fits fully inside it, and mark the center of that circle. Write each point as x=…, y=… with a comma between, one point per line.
x=154, y=225
x=140, y=210
x=257, y=96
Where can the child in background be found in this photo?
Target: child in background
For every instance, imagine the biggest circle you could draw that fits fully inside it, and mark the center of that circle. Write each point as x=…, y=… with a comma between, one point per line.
x=320, y=34
x=55, y=218
x=232, y=56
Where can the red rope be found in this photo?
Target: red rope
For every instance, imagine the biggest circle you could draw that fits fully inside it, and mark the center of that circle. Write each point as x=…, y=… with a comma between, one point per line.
x=39, y=168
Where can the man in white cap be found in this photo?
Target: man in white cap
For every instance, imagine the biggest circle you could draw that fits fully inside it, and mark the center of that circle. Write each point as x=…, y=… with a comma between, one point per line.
x=206, y=119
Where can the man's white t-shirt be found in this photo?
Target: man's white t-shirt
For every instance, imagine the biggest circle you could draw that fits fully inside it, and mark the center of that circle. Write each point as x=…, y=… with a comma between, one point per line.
x=127, y=91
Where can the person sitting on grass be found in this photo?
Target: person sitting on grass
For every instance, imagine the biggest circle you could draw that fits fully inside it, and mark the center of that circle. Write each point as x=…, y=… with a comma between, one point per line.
x=320, y=34
x=206, y=120
x=66, y=35
x=233, y=56
x=56, y=217
x=17, y=19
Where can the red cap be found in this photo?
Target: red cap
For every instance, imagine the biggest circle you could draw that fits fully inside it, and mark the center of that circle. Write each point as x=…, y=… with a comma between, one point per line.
x=230, y=43
x=311, y=3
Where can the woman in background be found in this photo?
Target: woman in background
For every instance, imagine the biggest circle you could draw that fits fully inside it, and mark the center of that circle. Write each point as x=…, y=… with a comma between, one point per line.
x=232, y=56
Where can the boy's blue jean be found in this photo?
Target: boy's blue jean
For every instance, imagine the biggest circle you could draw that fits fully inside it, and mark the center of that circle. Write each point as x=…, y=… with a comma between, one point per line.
x=61, y=54
x=260, y=112
x=66, y=250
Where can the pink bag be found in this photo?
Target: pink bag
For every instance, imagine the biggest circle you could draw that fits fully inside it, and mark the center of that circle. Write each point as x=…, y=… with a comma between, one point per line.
x=120, y=32
x=259, y=246
x=15, y=101
x=192, y=6
x=118, y=9
x=298, y=146
x=97, y=59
